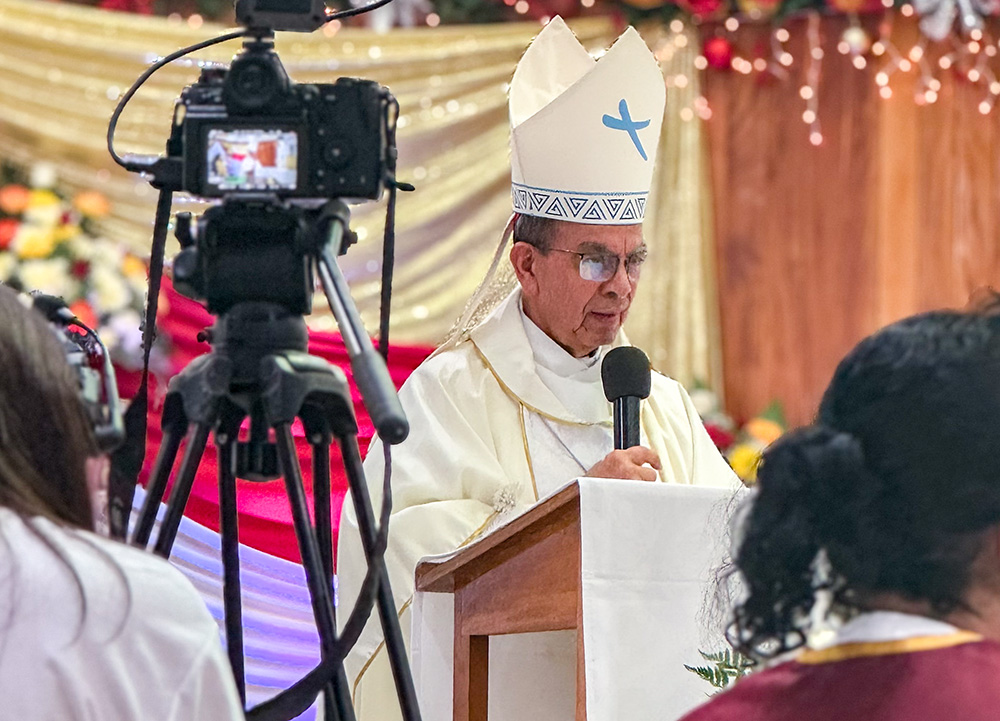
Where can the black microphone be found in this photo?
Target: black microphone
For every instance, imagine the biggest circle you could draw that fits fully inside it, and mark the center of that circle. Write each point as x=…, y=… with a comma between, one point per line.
x=626, y=377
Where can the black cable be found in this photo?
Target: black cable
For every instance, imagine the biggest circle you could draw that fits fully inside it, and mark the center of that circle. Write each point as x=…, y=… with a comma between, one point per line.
x=351, y=12
x=113, y=123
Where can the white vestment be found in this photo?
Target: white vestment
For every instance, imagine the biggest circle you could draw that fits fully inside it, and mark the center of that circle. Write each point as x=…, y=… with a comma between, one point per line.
x=496, y=423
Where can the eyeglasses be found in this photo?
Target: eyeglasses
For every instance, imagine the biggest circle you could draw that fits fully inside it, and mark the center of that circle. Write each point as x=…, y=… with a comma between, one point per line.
x=601, y=267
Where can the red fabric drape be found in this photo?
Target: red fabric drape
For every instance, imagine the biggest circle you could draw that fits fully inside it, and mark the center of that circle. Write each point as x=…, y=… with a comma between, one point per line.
x=265, y=521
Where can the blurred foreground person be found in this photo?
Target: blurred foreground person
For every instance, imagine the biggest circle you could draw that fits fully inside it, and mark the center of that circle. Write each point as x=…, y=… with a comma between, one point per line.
x=872, y=545
x=89, y=628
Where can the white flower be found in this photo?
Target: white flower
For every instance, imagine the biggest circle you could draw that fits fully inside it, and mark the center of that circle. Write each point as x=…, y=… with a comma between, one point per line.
x=505, y=499
x=704, y=400
x=8, y=264
x=47, y=215
x=80, y=246
x=49, y=275
x=125, y=328
x=139, y=286
x=43, y=176
x=110, y=293
x=104, y=253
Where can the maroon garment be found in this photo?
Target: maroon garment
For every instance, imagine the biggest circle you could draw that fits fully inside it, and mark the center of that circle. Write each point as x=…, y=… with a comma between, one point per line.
x=957, y=683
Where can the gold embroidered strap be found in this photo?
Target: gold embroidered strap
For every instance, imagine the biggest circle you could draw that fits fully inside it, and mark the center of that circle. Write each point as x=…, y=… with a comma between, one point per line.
x=527, y=450
x=513, y=396
x=865, y=649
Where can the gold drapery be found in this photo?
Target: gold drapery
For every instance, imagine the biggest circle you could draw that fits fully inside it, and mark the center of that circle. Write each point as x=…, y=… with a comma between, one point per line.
x=63, y=67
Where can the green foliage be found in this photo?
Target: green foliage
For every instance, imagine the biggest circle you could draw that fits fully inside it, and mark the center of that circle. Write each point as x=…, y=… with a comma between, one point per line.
x=727, y=667
x=454, y=12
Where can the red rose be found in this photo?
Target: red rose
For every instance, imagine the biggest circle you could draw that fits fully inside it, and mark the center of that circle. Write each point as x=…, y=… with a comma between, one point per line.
x=80, y=269
x=8, y=228
x=721, y=438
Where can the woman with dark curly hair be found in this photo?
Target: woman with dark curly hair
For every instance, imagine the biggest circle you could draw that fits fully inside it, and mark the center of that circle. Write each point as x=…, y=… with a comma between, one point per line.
x=880, y=525
x=90, y=628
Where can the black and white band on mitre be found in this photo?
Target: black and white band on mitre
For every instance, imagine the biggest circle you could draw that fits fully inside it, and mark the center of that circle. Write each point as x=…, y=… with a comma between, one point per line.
x=584, y=132
x=580, y=207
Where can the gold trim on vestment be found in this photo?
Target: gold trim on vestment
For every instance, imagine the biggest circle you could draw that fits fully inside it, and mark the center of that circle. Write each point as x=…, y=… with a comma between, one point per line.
x=866, y=649
x=527, y=450
x=354, y=689
x=506, y=389
x=406, y=605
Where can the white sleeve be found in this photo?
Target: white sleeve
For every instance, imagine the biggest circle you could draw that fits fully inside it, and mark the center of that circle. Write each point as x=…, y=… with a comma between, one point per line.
x=208, y=692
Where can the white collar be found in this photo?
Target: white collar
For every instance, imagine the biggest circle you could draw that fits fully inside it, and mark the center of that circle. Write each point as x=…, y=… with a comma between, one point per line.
x=503, y=343
x=879, y=626
x=550, y=354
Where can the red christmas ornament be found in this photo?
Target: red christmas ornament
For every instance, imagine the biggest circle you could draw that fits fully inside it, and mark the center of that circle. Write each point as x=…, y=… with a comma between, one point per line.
x=718, y=52
x=703, y=9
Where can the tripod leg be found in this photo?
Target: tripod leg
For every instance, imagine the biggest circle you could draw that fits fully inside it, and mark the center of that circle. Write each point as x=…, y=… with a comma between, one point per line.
x=165, y=458
x=405, y=690
x=317, y=580
x=230, y=537
x=324, y=533
x=321, y=502
x=182, y=489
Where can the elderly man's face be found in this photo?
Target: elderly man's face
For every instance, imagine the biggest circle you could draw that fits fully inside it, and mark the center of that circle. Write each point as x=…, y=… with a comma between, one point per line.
x=577, y=313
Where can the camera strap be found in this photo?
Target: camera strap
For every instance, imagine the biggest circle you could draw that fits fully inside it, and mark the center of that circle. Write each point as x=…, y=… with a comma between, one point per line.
x=127, y=460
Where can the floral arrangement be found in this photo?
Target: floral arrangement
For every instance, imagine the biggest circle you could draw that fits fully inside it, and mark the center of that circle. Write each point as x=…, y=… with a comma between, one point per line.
x=51, y=244
x=742, y=446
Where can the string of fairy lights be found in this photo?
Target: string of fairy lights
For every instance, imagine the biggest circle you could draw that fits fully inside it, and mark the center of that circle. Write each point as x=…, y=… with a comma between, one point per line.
x=967, y=52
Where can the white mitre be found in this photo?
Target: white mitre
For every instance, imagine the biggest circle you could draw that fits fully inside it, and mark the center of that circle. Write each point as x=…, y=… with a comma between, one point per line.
x=584, y=132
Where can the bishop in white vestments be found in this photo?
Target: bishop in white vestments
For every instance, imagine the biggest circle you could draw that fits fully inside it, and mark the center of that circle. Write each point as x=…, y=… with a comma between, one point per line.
x=515, y=407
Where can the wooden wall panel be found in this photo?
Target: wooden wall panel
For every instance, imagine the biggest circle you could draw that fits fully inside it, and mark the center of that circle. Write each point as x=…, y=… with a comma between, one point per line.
x=898, y=211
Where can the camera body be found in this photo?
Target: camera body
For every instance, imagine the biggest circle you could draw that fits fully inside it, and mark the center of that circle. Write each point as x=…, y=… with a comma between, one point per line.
x=250, y=129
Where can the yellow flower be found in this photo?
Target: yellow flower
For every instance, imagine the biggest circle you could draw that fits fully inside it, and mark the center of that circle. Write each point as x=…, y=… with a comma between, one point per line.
x=32, y=242
x=744, y=459
x=65, y=232
x=763, y=430
x=38, y=198
x=132, y=267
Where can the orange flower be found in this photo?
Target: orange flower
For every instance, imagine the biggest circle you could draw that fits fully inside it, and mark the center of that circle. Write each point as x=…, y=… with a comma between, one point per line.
x=92, y=203
x=764, y=430
x=82, y=310
x=14, y=199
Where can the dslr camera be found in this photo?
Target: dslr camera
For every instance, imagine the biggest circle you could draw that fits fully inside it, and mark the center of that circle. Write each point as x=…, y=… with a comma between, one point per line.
x=249, y=129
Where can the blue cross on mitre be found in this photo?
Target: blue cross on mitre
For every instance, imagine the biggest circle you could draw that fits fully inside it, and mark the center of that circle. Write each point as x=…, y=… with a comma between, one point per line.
x=625, y=122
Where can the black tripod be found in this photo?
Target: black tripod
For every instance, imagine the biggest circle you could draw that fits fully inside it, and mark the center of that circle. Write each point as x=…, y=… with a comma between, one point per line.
x=259, y=369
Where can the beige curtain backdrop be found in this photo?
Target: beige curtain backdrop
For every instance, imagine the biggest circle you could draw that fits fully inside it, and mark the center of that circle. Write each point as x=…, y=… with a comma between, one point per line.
x=62, y=69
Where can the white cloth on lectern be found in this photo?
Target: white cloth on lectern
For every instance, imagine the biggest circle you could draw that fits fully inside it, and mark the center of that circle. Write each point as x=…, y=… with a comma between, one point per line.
x=496, y=422
x=649, y=557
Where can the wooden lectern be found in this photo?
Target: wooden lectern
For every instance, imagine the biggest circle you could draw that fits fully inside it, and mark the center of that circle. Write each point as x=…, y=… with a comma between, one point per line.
x=523, y=578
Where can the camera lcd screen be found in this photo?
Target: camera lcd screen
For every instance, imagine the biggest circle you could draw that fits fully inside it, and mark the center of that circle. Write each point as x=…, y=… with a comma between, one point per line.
x=252, y=159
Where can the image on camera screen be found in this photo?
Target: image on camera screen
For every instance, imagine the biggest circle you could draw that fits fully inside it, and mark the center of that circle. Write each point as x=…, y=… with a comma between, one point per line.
x=252, y=159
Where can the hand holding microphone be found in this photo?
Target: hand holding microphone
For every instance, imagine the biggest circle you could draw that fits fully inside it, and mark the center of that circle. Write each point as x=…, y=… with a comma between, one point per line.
x=625, y=373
